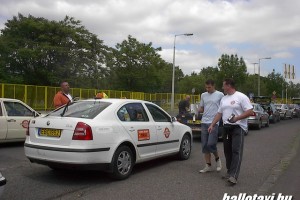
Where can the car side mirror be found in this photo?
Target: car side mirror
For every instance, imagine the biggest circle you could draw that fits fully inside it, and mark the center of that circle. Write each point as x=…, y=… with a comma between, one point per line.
x=173, y=119
x=76, y=99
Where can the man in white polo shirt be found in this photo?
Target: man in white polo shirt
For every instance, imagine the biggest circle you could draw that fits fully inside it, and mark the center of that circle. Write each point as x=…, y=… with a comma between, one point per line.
x=234, y=109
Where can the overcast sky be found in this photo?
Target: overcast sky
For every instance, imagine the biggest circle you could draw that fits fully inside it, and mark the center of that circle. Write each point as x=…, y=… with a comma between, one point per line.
x=252, y=29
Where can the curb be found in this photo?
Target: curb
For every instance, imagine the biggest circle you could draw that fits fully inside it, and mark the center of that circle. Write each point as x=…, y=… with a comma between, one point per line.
x=280, y=167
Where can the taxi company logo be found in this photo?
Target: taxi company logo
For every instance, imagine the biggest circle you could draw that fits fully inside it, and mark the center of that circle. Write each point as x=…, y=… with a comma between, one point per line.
x=167, y=132
x=244, y=196
x=48, y=123
x=25, y=123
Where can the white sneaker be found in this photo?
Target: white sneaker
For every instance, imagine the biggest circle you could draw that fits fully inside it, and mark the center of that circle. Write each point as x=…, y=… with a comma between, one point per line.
x=207, y=168
x=219, y=165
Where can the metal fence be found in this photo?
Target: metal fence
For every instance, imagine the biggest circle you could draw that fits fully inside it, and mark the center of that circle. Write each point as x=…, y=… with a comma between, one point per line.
x=41, y=97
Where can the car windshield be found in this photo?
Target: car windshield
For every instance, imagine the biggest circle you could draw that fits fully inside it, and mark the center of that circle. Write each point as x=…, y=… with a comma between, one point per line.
x=82, y=109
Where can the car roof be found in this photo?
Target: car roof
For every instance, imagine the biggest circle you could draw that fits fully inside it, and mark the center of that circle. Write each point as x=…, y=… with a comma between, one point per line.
x=112, y=100
x=9, y=99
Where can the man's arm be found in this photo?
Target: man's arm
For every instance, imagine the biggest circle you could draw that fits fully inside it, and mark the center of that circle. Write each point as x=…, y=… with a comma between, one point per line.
x=201, y=109
x=244, y=115
x=216, y=120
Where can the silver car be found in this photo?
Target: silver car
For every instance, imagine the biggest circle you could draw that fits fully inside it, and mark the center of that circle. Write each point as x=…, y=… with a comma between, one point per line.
x=295, y=108
x=259, y=117
x=284, y=111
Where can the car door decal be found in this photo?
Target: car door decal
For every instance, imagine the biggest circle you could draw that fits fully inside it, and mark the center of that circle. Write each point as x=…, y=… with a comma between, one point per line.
x=167, y=133
x=25, y=123
x=143, y=134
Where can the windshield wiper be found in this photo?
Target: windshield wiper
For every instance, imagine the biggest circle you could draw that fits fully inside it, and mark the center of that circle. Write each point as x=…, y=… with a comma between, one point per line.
x=65, y=109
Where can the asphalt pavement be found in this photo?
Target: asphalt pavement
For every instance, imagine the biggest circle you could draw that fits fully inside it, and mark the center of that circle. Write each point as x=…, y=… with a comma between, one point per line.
x=288, y=182
x=270, y=163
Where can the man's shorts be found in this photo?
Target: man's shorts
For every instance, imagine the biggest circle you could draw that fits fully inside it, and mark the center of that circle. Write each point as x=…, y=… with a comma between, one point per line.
x=209, y=140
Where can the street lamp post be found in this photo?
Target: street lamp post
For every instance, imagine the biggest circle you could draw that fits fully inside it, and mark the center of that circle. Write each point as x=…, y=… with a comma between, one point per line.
x=254, y=66
x=258, y=81
x=173, y=73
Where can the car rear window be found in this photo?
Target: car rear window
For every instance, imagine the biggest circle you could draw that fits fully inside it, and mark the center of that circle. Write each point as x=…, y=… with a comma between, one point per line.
x=82, y=109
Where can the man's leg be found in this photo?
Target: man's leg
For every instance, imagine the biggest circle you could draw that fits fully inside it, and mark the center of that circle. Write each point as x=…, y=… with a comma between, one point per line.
x=205, y=150
x=212, y=146
x=227, y=148
x=237, y=153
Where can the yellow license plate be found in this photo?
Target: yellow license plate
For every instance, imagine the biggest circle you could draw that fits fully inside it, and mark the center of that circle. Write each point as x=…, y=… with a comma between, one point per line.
x=49, y=132
x=194, y=122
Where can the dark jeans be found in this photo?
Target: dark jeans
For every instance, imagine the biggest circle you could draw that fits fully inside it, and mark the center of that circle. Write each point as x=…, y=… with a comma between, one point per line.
x=233, y=139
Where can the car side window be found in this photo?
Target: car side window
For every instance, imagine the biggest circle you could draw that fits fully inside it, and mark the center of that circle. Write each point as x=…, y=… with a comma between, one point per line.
x=157, y=114
x=132, y=112
x=17, y=109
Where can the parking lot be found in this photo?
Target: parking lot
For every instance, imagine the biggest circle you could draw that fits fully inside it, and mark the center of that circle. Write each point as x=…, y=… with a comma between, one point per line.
x=166, y=178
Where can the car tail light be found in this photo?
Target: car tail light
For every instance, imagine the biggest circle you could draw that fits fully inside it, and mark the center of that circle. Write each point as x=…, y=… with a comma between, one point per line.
x=82, y=132
x=27, y=128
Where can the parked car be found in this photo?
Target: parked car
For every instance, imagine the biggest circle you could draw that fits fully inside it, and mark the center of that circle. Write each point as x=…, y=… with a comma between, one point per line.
x=295, y=108
x=14, y=118
x=259, y=117
x=284, y=111
x=108, y=134
x=2, y=184
x=269, y=107
x=193, y=120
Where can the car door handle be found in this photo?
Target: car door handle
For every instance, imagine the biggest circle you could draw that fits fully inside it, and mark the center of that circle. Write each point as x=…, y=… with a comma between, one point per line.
x=131, y=129
x=11, y=120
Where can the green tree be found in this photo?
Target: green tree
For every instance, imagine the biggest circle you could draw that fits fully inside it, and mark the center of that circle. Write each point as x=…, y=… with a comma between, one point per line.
x=230, y=66
x=273, y=82
x=38, y=51
x=137, y=66
x=192, y=81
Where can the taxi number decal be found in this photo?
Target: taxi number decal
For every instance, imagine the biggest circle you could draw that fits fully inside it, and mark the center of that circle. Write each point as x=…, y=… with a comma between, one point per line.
x=167, y=132
x=143, y=134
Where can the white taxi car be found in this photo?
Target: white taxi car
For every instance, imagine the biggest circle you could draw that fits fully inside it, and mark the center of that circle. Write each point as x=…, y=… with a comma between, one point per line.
x=107, y=134
x=14, y=118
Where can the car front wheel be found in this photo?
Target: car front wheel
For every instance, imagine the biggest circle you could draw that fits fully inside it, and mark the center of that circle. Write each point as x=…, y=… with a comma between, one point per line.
x=185, y=148
x=122, y=163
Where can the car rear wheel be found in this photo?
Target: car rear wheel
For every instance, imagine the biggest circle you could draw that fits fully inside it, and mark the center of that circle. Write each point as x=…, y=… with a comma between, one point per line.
x=268, y=123
x=259, y=125
x=185, y=148
x=122, y=163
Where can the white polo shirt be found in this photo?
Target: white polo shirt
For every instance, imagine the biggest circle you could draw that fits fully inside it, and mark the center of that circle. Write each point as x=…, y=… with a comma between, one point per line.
x=236, y=104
